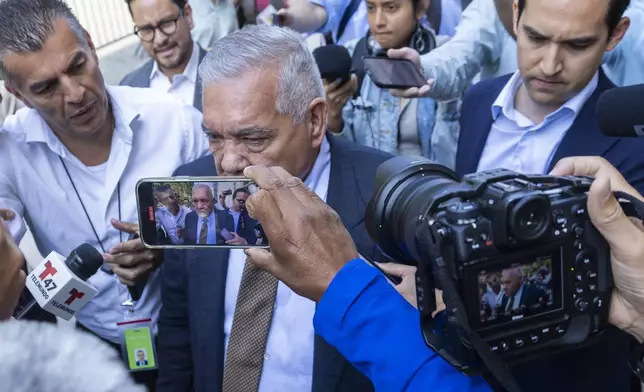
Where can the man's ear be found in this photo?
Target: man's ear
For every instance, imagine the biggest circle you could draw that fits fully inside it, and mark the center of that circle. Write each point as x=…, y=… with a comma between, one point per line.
x=618, y=33
x=515, y=18
x=187, y=13
x=317, y=121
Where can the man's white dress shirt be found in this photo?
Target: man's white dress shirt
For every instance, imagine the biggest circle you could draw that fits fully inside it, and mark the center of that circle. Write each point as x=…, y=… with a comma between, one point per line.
x=182, y=85
x=172, y=222
x=516, y=143
x=288, y=363
x=154, y=135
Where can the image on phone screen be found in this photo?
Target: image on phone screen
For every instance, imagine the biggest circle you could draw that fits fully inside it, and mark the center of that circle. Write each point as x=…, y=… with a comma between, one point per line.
x=197, y=212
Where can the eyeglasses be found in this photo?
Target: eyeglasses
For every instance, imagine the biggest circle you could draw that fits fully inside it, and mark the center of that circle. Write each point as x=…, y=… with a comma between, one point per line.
x=167, y=27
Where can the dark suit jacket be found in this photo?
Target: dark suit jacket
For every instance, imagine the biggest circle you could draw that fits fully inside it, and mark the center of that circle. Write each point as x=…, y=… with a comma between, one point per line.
x=140, y=77
x=602, y=366
x=191, y=321
x=530, y=296
x=246, y=227
x=222, y=220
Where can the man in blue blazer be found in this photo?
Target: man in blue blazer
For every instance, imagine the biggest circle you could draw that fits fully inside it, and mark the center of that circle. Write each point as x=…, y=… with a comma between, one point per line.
x=251, y=118
x=546, y=111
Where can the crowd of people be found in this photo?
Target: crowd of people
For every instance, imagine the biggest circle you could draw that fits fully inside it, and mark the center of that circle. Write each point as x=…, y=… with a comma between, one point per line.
x=510, y=84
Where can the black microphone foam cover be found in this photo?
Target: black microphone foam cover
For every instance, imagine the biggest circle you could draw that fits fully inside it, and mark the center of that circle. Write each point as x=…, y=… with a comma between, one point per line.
x=620, y=111
x=84, y=261
x=334, y=62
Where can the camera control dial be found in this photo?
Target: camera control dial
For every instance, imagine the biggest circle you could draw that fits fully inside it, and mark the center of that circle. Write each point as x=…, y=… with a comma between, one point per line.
x=462, y=213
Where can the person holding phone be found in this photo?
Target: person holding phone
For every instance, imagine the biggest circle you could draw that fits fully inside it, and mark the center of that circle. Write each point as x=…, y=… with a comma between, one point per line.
x=371, y=116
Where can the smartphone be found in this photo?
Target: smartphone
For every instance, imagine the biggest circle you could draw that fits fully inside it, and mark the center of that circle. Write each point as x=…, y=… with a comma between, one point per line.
x=393, y=73
x=226, y=234
x=194, y=204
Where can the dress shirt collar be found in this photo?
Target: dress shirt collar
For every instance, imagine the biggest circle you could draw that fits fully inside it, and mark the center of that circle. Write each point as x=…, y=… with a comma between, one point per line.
x=505, y=101
x=210, y=218
x=189, y=73
x=38, y=131
x=323, y=159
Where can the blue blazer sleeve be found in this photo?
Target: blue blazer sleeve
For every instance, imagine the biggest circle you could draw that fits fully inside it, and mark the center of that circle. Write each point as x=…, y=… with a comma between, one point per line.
x=378, y=331
x=174, y=350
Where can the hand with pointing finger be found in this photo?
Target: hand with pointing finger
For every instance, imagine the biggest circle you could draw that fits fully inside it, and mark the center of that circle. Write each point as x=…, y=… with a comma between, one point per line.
x=131, y=260
x=625, y=237
x=308, y=242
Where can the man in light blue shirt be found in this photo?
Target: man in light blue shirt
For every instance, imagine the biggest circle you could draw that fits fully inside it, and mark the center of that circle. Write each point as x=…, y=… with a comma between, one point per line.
x=542, y=113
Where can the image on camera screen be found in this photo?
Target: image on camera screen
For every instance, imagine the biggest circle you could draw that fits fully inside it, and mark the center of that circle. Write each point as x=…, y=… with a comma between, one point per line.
x=518, y=291
x=206, y=213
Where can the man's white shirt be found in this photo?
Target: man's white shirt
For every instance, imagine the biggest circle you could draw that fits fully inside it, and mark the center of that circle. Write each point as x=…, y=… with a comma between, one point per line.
x=153, y=136
x=288, y=361
x=182, y=85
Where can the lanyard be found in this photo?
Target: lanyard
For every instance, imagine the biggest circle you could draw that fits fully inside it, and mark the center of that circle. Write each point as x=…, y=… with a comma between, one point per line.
x=105, y=268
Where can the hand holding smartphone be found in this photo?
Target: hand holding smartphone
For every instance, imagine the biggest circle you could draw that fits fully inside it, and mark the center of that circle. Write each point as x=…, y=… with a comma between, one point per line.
x=393, y=73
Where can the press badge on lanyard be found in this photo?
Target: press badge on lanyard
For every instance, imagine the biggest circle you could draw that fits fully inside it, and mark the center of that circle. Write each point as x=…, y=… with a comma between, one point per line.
x=137, y=344
x=136, y=338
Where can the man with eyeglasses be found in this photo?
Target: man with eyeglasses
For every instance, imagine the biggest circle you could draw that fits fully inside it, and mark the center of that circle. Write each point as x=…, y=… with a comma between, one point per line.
x=163, y=26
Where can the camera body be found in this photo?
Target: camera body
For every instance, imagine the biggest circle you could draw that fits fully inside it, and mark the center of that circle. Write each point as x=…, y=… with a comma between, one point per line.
x=531, y=270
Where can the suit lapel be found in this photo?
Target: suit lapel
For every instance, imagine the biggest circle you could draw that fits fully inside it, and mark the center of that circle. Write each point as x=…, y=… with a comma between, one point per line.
x=142, y=78
x=345, y=198
x=584, y=137
x=475, y=128
x=208, y=269
x=197, y=99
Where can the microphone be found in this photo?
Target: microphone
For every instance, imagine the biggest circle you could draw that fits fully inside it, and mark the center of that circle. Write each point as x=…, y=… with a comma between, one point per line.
x=59, y=286
x=334, y=62
x=620, y=112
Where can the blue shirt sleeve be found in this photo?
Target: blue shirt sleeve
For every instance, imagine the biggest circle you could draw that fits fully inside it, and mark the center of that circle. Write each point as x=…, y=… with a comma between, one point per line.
x=378, y=331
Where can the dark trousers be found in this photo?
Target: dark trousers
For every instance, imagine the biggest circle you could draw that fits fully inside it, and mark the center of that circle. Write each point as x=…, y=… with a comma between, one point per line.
x=147, y=378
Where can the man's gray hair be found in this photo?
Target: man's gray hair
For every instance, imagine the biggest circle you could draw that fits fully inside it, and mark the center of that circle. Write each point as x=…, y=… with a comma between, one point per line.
x=25, y=26
x=203, y=185
x=47, y=357
x=260, y=47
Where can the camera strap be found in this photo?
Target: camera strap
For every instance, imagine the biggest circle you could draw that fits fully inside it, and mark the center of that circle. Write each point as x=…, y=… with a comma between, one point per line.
x=430, y=241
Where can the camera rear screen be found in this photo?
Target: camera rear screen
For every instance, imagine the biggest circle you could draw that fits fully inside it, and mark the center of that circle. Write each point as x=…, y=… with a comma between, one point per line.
x=521, y=290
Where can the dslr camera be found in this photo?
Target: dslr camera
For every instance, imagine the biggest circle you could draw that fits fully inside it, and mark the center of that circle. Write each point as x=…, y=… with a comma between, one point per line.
x=523, y=270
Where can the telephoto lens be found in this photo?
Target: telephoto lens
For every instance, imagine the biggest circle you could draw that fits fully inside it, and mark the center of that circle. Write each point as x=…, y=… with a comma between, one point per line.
x=405, y=190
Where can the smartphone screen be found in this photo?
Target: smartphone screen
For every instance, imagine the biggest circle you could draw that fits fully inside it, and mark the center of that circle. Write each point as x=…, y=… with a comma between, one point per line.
x=197, y=212
x=393, y=73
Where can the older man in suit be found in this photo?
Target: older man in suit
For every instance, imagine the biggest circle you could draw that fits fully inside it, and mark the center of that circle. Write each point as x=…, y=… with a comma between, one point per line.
x=163, y=26
x=544, y=112
x=225, y=325
x=205, y=224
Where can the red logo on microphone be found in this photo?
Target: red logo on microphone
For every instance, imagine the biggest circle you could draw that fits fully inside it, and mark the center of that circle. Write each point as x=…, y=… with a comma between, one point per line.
x=49, y=271
x=73, y=296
